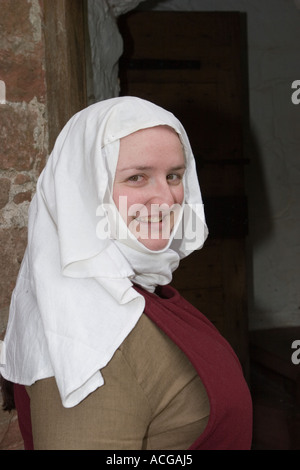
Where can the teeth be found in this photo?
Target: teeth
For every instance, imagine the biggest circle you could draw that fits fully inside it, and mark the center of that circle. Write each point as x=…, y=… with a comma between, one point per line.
x=149, y=219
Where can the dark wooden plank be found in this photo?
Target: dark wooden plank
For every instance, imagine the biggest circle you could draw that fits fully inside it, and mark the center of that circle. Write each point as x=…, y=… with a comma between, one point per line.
x=207, y=98
x=64, y=30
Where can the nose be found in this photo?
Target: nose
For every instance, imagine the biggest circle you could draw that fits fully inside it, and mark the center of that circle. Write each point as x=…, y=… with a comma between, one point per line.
x=163, y=193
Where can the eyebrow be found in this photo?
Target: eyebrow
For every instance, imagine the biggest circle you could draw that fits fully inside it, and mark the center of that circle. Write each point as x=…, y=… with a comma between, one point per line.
x=145, y=168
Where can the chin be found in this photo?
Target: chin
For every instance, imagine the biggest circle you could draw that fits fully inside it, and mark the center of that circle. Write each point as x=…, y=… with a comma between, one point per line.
x=153, y=236
x=153, y=244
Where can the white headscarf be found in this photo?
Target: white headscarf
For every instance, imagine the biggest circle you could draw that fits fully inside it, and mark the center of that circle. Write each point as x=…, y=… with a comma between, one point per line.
x=74, y=301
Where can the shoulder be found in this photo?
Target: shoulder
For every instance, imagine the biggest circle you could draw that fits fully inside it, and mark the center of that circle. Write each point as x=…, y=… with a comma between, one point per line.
x=148, y=348
x=160, y=367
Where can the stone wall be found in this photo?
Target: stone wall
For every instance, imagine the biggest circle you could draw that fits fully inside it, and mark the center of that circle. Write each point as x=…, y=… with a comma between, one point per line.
x=23, y=150
x=23, y=130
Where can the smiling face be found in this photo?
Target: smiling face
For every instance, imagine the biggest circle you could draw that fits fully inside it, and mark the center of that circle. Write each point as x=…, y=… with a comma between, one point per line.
x=148, y=186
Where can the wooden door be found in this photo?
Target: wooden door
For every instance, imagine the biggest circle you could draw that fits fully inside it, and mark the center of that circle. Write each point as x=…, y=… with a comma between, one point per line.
x=190, y=63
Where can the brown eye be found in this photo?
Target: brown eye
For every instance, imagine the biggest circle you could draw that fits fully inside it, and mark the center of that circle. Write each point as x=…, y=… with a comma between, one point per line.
x=174, y=178
x=135, y=178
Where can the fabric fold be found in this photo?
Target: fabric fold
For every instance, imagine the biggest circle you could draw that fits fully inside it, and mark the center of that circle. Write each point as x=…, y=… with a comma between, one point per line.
x=74, y=301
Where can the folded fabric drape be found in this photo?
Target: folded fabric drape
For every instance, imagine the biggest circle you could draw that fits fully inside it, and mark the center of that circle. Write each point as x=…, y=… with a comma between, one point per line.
x=74, y=301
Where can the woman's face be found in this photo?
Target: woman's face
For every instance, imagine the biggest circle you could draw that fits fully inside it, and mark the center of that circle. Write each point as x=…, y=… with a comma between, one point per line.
x=148, y=186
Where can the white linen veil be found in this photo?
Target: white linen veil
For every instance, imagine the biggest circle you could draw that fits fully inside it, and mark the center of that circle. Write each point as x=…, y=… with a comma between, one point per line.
x=74, y=301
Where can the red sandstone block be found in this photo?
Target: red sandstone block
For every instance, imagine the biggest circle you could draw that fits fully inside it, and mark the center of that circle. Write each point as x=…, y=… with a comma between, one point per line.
x=22, y=197
x=22, y=179
x=5, y=184
x=23, y=75
x=12, y=246
x=17, y=148
x=22, y=52
x=15, y=21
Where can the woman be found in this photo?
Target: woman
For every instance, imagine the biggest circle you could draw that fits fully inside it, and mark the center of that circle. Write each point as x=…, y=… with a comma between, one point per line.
x=111, y=356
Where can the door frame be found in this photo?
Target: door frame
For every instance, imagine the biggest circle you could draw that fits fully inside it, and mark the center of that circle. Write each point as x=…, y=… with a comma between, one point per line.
x=64, y=24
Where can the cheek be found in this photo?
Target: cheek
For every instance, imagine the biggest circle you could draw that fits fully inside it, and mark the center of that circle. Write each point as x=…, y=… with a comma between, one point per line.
x=121, y=194
x=179, y=194
x=124, y=198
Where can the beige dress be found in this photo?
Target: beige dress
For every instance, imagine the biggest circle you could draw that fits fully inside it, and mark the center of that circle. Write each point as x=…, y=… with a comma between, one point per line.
x=152, y=399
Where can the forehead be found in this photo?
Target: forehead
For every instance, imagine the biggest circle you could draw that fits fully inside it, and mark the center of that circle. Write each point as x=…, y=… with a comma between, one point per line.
x=159, y=140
